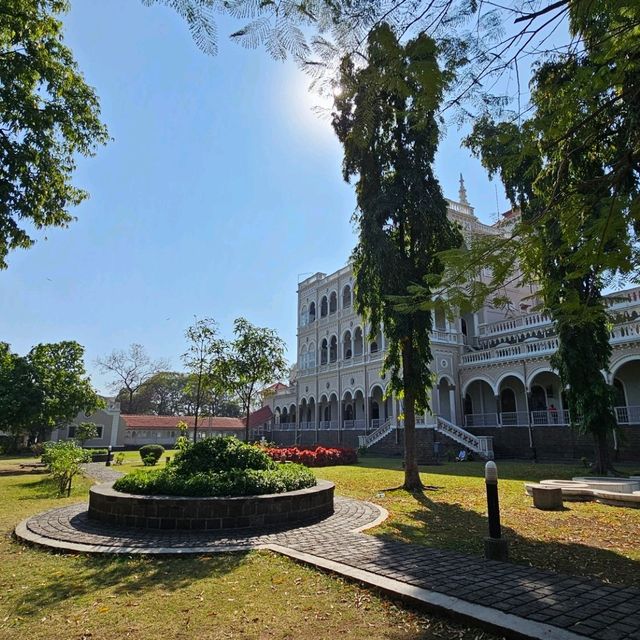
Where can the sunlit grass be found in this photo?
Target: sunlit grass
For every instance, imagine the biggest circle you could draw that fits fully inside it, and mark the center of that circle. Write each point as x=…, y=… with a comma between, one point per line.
x=254, y=596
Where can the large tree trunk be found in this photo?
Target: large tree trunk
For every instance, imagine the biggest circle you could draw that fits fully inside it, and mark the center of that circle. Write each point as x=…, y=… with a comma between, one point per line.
x=412, y=480
x=602, y=464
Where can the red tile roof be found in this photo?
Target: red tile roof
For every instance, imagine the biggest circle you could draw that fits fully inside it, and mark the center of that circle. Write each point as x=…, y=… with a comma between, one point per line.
x=259, y=417
x=170, y=422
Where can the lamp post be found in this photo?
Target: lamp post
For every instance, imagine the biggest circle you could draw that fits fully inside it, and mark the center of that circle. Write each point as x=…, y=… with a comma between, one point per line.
x=108, y=462
x=495, y=546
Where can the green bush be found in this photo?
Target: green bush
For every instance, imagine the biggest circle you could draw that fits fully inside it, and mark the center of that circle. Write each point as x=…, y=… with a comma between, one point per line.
x=118, y=459
x=237, y=482
x=219, y=467
x=150, y=461
x=97, y=452
x=63, y=460
x=220, y=454
x=155, y=450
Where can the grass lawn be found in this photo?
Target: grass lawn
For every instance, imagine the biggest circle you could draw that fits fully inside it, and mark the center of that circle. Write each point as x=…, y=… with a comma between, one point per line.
x=586, y=539
x=256, y=595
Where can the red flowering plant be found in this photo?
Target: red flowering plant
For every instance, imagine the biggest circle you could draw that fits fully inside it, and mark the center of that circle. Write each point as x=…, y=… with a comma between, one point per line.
x=317, y=456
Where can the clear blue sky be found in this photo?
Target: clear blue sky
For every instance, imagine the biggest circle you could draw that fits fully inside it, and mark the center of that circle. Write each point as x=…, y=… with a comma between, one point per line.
x=220, y=188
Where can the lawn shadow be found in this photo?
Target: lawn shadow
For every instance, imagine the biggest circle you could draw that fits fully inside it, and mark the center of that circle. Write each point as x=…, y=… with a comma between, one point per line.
x=437, y=525
x=127, y=575
x=44, y=489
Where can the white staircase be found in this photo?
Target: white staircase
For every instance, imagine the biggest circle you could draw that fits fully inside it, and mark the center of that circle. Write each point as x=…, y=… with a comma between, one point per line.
x=377, y=435
x=482, y=445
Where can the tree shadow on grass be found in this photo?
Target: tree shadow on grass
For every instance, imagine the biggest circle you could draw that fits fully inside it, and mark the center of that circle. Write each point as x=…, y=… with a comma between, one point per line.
x=126, y=576
x=438, y=525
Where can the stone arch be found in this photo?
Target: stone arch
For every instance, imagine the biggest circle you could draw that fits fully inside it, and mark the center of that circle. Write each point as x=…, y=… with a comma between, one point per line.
x=358, y=341
x=324, y=307
x=312, y=312
x=478, y=378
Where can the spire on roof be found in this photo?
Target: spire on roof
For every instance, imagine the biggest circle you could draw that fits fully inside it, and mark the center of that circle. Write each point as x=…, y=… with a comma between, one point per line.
x=462, y=192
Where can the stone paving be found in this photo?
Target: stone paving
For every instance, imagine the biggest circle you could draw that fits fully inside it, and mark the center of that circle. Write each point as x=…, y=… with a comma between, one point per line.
x=567, y=604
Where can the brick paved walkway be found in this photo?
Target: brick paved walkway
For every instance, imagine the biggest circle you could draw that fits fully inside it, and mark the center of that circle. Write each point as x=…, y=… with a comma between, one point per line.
x=518, y=600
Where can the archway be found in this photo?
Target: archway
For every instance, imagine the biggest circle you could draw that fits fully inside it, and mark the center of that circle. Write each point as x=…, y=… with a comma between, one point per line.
x=546, y=403
x=324, y=307
x=357, y=342
x=513, y=402
x=333, y=349
x=626, y=382
x=481, y=399
x=346, y=297
x=333, y=302
x=346, y=346
x=444, y=400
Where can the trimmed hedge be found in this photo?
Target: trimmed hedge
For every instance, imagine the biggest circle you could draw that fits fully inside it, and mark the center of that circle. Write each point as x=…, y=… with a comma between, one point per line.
x=151, y=453
x=218, y=467
x=315, y=456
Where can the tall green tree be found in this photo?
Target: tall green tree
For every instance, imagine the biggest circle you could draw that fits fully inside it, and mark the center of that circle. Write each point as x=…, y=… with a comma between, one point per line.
x=573, y=169
x=253, y=360
x=48, y=116
x=385, y=118
x=203, y=359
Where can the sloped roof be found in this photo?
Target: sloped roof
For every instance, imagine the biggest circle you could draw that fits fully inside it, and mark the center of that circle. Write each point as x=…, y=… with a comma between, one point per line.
x=170, y=422
x=262, y=415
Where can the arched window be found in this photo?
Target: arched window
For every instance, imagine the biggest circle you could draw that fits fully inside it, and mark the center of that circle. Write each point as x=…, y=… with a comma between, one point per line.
x=304, y=316
x=324, y=307
x=312, y=312
x=311, y=356
x=538, y=398
x=348, y=412
x=346, y=346
x=346, y=297
x=324, y=352
x=439, y=320
x=303, y=357
x=333, y=302
x=333, y=349
x=376, y=344
x=357, y=342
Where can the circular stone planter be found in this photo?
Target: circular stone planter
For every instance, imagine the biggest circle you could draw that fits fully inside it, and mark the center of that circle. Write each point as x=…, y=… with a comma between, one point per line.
x=190, y=513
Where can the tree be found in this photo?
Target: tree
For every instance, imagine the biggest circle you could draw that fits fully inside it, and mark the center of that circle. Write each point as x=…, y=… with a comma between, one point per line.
x=86, y=431
x=62, y=383
x=385, y=118
x=64, y=461
x=253, y=359
x=572, y=168
x=203, y=358
x=19, y=397
x=132, y=369
x=48, y=115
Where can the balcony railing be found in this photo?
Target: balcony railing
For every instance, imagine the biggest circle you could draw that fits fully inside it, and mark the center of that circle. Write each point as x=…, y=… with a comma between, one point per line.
x=543, y=417
x=512, y=352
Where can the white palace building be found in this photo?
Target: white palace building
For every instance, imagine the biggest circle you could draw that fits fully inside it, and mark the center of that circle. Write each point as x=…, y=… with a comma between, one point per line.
x=494, y=385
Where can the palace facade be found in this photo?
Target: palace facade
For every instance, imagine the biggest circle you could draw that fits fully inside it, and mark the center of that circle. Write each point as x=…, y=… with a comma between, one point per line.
x=493, y=377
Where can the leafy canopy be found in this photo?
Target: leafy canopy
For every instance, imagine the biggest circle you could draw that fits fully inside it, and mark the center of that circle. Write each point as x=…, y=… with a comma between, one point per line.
x=48, y=115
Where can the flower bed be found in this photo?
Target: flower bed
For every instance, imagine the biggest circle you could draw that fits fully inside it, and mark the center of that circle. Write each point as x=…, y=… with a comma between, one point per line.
x=314, y=456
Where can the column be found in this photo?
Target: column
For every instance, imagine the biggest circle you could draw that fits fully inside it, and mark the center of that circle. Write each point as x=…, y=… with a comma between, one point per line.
x=498, y=416
x=452, y=403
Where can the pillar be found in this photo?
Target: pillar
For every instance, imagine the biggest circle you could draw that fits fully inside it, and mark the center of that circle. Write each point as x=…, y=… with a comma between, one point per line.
x=452, y=403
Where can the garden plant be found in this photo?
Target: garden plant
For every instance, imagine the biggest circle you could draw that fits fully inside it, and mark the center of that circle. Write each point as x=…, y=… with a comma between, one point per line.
x=219, y=467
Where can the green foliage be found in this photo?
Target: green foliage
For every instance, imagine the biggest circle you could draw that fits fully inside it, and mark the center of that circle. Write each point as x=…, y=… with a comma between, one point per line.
x=63, y=460
x=220, y=454
x=285, y=477
x=219, y=467
x=118, y=459
x=253, y=359
x=48, y=115
x=150, y=452
x=86, y=431
x=385, y=118
x=182, y=441
x=571, y=169
x=44, y=389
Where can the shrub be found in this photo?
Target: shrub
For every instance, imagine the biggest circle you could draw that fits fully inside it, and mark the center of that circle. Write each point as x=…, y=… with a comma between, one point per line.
x=118, y=459
x=220, y=454
x=38, y=448
x=150, y=460
x=218, y=467
x=315, y=456
x=155, y=450
x=63, y=459
x=97, y=452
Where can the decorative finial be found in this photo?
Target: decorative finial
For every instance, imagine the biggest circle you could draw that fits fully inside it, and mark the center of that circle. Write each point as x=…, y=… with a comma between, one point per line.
x=462, y=192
